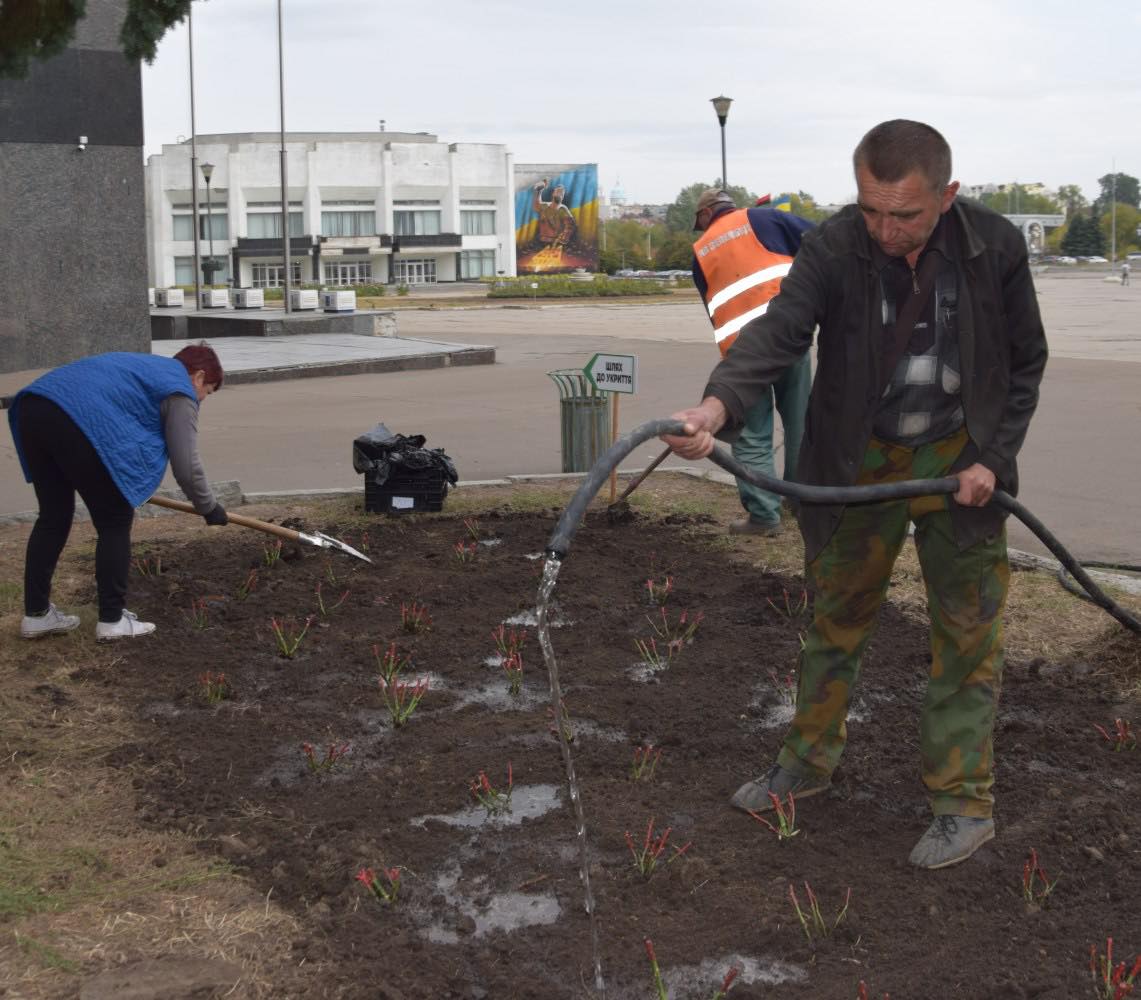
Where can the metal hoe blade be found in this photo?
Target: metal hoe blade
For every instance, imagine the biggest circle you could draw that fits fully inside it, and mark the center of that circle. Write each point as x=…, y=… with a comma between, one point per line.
x=328, y=542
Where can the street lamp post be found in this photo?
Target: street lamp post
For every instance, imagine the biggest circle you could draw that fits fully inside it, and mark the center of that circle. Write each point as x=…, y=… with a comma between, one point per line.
x=721, y=106
x=211, y=265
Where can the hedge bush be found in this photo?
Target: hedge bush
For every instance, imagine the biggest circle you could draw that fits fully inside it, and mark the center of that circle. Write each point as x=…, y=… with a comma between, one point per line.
x=564, y=286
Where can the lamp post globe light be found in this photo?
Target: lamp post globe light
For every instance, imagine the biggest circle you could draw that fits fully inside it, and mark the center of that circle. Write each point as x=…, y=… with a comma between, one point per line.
x=721, y=106
x=210, y=265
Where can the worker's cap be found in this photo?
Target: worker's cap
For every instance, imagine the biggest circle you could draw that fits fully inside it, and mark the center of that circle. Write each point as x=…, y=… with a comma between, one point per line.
x=710, y=198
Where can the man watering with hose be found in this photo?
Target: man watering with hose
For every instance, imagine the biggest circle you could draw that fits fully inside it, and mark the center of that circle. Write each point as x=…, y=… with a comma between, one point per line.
x=929, y=357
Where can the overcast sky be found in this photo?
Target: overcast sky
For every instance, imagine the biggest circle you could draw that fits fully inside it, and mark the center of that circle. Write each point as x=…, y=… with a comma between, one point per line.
x=1039, y=91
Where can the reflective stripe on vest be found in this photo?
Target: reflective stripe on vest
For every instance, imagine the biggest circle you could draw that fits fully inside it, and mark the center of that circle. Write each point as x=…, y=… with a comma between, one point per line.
x=741, y=274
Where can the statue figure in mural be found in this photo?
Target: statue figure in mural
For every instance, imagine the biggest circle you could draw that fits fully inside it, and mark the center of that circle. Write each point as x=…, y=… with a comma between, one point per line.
x=556, y=223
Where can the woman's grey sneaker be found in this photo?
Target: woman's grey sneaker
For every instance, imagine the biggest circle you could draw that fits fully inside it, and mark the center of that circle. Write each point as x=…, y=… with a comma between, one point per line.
x=951, y=839
x=751, y=526
x=52, y=622
x=753, y=796
x=127, y=627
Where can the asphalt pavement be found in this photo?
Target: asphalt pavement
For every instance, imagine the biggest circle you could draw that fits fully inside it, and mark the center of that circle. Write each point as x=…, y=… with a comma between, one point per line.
x=1079, y=470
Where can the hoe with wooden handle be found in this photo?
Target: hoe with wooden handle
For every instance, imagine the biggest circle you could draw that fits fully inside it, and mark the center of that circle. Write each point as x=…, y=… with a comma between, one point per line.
x=317, y=538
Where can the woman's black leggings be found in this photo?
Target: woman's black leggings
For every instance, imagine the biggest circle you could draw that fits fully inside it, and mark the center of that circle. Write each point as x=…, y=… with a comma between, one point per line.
x=63, y=462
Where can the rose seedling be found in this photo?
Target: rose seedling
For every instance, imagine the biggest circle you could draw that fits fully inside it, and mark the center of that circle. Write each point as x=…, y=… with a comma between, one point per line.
x=464, y=551
x=1111, y=982
x=552, y=726
x=1036, y=887
x=288, y=636
x=326, y=609
x=793, y=607
x=508, y=642
x=513, y=667
x=414, y=618
x=149, y=566
x=249, y=586
x=785, y=687
x=383, y=891
x=402, y=698
x=392, y=662
x=494, y=800
x=652, y=658
x=333, y=756
x=679, y=633
x=785, y=812
x=645, y=763
x=813, y=921
x=862, y=992
x=660, y=986
x=1121, y=738
x=649, y=856
x=472, y=528
x=271, y=552
x=199, y=614
x=660, y=592
x=214, y=687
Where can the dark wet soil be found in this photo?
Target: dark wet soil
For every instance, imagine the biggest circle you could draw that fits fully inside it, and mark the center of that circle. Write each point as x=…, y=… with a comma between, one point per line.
x=494, y=907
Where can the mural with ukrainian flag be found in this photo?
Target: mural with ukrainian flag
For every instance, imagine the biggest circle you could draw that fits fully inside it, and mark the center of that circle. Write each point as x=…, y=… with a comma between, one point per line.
x=556, y=217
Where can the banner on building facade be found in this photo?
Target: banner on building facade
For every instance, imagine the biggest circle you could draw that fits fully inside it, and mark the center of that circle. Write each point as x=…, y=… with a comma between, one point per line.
x=556, y=217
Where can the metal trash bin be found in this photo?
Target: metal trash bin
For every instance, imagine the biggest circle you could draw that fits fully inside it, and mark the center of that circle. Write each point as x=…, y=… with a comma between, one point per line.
x=584, y=419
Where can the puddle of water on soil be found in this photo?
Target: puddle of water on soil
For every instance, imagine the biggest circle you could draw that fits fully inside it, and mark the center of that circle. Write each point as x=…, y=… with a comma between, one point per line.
x=527, y=802
x=697, y=980
x=581, y=728
x=534, y=555
x=491, y=542
x=531, y=618
x=505, y=911
x=497, y=698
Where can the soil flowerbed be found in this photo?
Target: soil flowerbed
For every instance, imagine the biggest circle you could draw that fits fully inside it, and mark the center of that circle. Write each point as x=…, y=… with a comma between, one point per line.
x=492, y=906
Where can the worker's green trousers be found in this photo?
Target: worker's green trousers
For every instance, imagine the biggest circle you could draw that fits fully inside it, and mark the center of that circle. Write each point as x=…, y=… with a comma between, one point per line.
x=966, y=593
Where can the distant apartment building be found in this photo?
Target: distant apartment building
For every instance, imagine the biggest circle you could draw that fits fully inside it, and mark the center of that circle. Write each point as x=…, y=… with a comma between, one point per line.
x=364, y=208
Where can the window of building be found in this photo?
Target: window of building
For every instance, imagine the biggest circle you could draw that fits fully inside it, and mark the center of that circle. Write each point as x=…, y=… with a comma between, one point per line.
x=415, y=272
x=273, y=275
x=184, y=228
x=184, y=269
x=348, y=223
x=416, y=222
x=357, y=272
x=477, y=263
x=267, y=225
x=480, y=222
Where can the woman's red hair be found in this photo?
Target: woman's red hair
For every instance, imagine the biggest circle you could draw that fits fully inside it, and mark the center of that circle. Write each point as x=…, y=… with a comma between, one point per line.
x=201, y=358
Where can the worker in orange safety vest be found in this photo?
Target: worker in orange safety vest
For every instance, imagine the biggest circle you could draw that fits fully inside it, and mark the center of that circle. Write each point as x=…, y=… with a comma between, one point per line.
x=738, y=264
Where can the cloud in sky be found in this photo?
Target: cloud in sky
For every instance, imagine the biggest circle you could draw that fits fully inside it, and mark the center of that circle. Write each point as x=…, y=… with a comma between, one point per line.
x=1032, y=91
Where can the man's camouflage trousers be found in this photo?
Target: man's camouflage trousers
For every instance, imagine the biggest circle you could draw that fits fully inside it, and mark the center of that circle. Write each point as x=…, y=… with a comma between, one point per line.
x=966, y=593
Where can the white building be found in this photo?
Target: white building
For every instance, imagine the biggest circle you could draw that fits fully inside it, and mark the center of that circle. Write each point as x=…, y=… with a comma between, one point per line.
x=364, y=207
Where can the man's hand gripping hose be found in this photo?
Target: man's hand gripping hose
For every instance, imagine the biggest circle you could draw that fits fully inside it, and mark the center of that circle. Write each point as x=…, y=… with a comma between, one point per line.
x=560, y=540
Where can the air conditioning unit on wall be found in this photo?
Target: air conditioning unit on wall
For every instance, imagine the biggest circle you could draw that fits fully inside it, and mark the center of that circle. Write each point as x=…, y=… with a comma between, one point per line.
x=213, y=298
x=168, y=297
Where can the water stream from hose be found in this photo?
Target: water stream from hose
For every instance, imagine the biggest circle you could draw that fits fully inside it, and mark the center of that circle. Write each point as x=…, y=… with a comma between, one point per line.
x=558, y=710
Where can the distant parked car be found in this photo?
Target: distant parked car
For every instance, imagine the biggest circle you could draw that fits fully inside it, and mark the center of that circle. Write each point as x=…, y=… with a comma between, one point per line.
x=1133, y=256
x=1097, y=260
x=1066, y=260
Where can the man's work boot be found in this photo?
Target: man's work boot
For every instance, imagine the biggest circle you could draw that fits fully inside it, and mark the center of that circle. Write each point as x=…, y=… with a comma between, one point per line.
x=752, y=526
x=951, y=839
x=753, y=796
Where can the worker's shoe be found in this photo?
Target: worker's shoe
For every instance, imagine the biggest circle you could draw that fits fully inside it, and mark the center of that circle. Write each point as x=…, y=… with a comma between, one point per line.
x=951, y=839
x=51, y=622
x=753, y=796
x=753, y=526
x=127, y=627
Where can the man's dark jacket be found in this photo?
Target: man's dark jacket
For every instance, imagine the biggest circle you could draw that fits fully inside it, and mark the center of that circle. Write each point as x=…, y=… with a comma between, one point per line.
x=834, y=284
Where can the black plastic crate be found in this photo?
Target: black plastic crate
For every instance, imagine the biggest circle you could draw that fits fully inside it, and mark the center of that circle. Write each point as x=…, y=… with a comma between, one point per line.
x=406, y=494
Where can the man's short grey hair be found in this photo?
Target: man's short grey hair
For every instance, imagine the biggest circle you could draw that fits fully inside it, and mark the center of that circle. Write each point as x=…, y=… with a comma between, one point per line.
x=894, y=149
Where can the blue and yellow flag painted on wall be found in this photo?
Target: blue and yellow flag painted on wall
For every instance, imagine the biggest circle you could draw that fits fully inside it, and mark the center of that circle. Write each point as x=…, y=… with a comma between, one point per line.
x=556, y=217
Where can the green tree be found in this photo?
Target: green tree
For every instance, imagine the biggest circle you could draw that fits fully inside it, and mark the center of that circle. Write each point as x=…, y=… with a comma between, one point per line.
x=679, y=216
x=1128, y=219
x=1083, y=237
x=1070, y=197
x=675, y=252
x=40, y=29
x=1016, y=200
x=804, y=205
x=1117, y=187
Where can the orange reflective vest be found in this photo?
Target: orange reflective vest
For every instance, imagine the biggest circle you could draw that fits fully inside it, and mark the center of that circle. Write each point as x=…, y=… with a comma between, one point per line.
x=741, y=274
